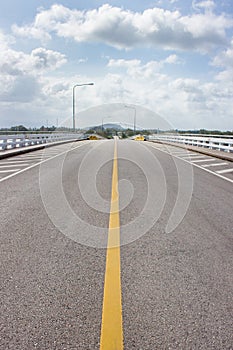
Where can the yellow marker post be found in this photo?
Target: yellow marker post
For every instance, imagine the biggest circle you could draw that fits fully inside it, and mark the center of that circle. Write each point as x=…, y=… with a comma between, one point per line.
x=112, y=330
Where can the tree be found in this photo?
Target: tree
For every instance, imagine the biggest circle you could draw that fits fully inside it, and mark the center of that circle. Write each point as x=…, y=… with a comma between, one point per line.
x=18, y=128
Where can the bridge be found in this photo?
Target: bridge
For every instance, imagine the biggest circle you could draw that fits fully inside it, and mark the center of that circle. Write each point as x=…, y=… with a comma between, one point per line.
x=116, y=244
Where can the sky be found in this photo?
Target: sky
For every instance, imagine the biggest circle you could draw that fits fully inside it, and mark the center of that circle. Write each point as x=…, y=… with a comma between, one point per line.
x=172, y=58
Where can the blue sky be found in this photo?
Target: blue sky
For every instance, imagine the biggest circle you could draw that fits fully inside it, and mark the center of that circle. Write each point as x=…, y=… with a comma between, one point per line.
x=172, y=57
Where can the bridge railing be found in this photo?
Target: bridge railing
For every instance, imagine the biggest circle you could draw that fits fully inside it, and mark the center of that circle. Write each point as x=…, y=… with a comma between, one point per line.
x=221, y=143
x=22, y=140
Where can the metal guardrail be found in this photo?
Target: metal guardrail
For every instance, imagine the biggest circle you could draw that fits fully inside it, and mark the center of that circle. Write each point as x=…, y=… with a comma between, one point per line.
x=22, y=140
x=213, y=142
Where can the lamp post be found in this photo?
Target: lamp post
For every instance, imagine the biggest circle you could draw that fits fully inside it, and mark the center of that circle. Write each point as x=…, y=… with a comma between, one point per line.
x=134, y=119
x=103, y=122
x=74, y=101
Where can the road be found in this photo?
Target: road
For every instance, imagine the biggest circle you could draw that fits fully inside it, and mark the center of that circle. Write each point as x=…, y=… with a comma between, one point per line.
x=169, y=283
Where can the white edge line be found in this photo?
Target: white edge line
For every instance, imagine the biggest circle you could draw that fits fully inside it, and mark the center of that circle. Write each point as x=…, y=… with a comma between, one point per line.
x=201, y=160
x=13, y=165
x=8, y=171
x=196, y=156
x=224, y=171
x=185, y=154
x=196, y=165
x=214, y=165
x=12, y=162
x=34, y=165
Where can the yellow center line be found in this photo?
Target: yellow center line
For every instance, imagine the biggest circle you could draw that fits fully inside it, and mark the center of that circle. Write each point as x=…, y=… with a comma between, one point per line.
x=112, y=330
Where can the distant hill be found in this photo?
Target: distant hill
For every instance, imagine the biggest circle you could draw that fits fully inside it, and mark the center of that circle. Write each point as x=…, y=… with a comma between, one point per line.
x=116, y=126
x=113, y=126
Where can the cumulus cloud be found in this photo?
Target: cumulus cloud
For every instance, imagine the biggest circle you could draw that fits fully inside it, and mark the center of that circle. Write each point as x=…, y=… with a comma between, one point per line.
x=124, y=29
x=83, y=60
x=224, y=61
x=31, y=32
x=172, y=59
x=43, y=59
x=136, y=69
x=5, y=40
x=185, y=102
x=15, y=63
x=23, y=89
x=20, y=73
x=207, y=5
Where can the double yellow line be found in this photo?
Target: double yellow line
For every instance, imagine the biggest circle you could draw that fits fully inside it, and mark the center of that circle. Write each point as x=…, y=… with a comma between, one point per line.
x=112, y=330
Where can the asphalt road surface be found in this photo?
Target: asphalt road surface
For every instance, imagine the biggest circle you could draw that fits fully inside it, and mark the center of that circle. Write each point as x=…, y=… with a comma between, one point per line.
x=169, y=283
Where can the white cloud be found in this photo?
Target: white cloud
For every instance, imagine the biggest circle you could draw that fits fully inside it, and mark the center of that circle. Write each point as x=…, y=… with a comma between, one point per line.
x=22, y=89
x=16, y=63
x=207, y=5
x=172, y=59
x=21, y=73
x=136, y=69
x=43, y=59
x=224, y=60
x=31, y=32
x=207, y=30
x=186, y=103
x=82, y=60
x=5, y=41
x=124, y=29
x=122, y=63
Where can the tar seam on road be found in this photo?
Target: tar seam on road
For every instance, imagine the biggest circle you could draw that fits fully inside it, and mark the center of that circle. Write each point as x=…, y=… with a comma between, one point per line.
x=112, y=329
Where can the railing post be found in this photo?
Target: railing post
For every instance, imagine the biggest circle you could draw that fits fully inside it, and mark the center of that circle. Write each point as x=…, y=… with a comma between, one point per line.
x=4, y=144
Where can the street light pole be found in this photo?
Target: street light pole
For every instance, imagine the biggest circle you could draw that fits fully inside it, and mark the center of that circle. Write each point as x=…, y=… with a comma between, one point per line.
x=103, y=122
x=134, y=119
x=74, y=101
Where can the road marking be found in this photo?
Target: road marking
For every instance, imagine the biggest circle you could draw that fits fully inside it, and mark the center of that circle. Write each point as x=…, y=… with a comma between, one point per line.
x=196, y=165
x=194, y=157
x=31, y=157
x=27, y=159
x=8, y=171
x=112, y=329
x=224, y=171
x=16, y=161
x=12, y=165
x=181, y=153
x=19, y=171
x=214, y=164
x=202, y=160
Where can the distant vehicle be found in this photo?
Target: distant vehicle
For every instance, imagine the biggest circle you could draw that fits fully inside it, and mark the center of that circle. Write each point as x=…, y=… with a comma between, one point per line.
x=93, y=137
x=140, y=138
